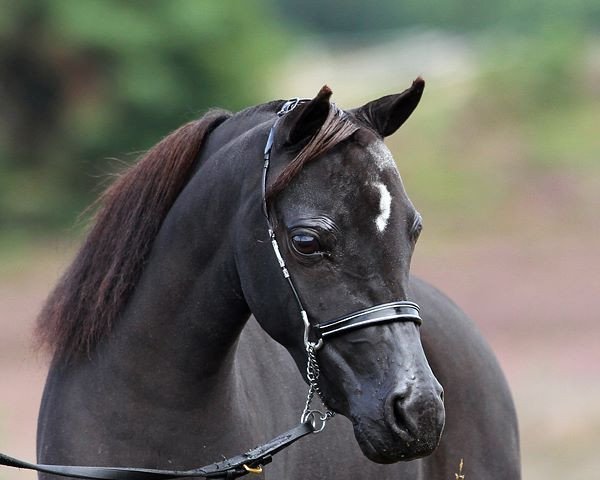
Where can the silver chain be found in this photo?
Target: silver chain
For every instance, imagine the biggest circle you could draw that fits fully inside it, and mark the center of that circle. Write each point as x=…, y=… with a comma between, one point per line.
x=312, y=374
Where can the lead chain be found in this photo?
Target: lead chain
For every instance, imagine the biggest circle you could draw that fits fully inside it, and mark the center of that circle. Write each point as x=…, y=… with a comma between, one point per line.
x=312, y=374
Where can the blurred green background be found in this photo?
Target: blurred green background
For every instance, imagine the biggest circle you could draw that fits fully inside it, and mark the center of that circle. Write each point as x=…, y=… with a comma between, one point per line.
x=502, y=158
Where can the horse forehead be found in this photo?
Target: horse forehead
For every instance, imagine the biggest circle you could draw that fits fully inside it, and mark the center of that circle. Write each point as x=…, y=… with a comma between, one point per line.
x=364, y=172
x=381, y=173
x=385, y=184
x=381, y=157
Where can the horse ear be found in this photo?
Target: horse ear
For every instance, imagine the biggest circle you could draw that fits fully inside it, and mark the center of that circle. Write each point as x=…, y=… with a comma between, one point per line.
x=387, y=114
x=306, y=120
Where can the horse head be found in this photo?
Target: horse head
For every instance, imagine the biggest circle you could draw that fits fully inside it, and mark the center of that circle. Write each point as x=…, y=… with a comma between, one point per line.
x=346, y=231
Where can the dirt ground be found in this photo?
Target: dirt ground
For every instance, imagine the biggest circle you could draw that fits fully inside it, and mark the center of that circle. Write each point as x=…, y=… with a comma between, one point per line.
x=537, y=303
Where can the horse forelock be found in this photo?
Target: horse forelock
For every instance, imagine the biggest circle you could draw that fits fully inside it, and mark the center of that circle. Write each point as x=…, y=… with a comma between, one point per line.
x=337, y=127
x=93, y=291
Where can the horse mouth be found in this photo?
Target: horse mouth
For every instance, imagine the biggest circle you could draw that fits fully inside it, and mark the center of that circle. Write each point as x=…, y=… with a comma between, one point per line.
x=381, y=444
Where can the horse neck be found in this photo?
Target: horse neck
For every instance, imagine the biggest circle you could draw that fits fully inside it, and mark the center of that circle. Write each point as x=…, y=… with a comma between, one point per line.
x=188, y=309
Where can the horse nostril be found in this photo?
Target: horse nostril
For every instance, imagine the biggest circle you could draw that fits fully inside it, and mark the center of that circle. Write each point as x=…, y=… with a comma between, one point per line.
x=401, y=419
x=439, y=390
x=402, y=394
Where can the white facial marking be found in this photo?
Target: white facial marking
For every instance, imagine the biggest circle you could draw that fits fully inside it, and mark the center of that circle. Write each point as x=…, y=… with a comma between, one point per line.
x=384, y=161
x=381, y=156
x=385, y=205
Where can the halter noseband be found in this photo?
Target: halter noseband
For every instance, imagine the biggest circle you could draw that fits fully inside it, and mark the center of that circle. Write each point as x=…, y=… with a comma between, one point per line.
x=399, y=311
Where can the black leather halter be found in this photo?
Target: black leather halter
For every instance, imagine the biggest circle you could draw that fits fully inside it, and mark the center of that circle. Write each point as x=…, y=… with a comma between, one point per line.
x=398, y=311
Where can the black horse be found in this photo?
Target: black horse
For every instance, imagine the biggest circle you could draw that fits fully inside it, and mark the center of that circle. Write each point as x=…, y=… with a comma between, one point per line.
x=158, y=363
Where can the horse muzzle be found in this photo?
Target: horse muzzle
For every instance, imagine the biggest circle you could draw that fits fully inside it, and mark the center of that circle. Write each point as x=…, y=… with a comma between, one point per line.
x=411, y=427
x=389, y=391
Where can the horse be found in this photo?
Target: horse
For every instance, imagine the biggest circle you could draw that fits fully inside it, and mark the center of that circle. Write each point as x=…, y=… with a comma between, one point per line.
x=176, y=338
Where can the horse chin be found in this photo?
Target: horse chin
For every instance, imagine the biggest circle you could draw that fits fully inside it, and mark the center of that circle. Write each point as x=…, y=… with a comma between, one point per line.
x=391, y=447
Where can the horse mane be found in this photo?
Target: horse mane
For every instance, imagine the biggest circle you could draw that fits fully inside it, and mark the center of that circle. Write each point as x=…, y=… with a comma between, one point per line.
x=336, y=128
x=83, y=306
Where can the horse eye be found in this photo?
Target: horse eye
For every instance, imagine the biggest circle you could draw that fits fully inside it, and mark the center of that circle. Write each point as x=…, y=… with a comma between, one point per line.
x=306, y=244
x=417, y=226
x=417, y=231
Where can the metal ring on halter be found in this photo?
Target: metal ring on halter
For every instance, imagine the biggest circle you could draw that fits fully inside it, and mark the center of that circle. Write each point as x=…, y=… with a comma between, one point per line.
x=307, y=326
x=314, y=417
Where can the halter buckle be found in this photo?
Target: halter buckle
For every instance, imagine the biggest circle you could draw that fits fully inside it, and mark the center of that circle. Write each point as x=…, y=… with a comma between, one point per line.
x=289, y=106
x=255, y=470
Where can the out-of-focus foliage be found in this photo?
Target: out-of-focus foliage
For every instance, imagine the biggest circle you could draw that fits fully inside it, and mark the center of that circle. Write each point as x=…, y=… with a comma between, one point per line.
x=515, y=142
x=353, y=16
x=84, y=80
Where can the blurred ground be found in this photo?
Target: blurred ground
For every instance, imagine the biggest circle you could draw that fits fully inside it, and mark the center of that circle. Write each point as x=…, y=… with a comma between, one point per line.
x=23, y=287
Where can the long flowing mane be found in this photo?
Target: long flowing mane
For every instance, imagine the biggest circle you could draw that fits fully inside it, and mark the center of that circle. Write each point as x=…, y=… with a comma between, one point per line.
x=83, y=306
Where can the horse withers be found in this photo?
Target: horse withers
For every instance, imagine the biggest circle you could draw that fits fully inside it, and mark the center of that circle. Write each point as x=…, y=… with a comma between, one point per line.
x=235, y=251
